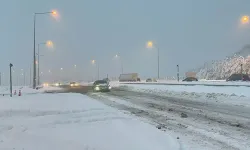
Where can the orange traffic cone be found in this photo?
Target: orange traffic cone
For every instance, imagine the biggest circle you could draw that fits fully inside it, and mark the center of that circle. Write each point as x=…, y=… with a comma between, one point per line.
x=19, y=94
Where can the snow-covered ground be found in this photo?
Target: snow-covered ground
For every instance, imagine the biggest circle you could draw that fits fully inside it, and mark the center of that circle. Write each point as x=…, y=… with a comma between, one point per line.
x=26, y=90
x=226, y=94
x=201, y=82
x=74, y=121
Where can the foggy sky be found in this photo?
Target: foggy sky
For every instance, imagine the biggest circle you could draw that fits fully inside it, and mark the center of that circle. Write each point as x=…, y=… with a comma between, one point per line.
x=187, y=32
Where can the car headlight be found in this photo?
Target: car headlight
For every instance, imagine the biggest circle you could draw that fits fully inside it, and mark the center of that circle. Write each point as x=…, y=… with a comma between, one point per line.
x=109, y=87
x=97, y=88
x=57, y=84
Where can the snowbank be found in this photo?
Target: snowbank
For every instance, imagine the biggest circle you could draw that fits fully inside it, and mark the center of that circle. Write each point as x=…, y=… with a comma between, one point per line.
x=74, y=121
x=27, y=90
x=226, y=94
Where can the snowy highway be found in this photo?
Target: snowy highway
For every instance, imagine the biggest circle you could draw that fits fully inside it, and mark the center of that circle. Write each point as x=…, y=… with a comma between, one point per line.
x=196, y=123
x=200, y=125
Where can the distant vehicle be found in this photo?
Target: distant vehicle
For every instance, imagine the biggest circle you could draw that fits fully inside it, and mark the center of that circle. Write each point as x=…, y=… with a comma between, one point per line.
x=129, y=77
x=238, y=77
x=72, y=84
x=190, y=79
x=101, y=86
x=190, y=74
x=45, y=84
x=57, y=84
x=151, y=80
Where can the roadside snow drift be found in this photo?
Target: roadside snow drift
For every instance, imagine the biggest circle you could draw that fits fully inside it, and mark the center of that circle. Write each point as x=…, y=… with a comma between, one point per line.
x=225, y=94
x=74, y=121
x=26, y=90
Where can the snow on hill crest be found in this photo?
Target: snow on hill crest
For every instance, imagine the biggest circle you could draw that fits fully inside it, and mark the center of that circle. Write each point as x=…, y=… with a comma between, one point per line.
x=222, y=69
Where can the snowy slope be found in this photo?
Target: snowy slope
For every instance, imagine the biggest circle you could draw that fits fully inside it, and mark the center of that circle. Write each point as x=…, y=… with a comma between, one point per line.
x=71, y=122
x=222, y=69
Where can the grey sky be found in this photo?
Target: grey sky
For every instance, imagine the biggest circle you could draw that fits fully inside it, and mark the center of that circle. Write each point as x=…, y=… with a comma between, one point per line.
x=188, y=33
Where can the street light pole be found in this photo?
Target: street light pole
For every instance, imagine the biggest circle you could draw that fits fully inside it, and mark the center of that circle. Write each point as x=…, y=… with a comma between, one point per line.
x=150, y=44
x=241, y=71
x=178, y=74
x=24, y=76
x=0, y=78
x=122, y=66
x=11, y=80
x=158, y=51
x=34, y=47
x=98, y=70
x=38, y=64
x=34, y=54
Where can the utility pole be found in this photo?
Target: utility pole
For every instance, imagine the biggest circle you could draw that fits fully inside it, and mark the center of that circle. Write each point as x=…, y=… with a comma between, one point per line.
x=30, y=77
x=38, y=65
x=34, y=54
x=24, y=78
x=241, y=71
x=0, y=78
x=158, y=51
x=178, y=74
x=11, y=80
x=98, y=70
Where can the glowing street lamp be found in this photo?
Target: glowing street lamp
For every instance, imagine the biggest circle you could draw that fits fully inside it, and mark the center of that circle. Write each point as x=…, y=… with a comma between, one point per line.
x=245, y=19
x=150, y=44
x=54, y=13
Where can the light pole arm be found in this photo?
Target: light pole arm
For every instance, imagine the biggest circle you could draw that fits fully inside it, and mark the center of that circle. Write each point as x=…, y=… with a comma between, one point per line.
x=158, y=58
x=42, y=13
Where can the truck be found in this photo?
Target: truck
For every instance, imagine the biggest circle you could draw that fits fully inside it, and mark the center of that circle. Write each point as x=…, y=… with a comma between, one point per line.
x=129, y=77
x=190, y=74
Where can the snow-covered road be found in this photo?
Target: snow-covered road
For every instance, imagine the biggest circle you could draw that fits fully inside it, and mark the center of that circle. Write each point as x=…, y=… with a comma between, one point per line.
x=206, y=125
x=74, y=121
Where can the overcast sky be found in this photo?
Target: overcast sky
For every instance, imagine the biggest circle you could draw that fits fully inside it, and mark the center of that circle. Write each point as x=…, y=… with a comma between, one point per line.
x=187, y=32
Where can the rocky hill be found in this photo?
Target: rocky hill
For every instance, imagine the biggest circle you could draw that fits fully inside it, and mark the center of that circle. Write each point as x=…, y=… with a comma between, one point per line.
x=222, y=69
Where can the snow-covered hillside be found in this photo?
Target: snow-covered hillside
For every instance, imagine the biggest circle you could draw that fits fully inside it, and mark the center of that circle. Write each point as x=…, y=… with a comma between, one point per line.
x=222, y=69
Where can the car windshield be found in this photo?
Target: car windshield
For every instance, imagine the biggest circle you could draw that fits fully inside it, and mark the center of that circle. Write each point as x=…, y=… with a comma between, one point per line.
x=101, y=82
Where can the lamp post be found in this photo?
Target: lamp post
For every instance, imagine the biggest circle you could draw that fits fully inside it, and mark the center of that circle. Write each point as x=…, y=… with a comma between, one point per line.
x=48, y=44
x=117, y=56
x=178, y=73
x=11, y=65
x=150, y=44
x=34, y=45
x=98, y=70
x=0, y=78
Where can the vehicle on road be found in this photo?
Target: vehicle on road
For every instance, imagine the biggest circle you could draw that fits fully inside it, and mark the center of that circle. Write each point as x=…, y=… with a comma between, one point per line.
x=73, y=84
x=106, y=79
x=190, y=79
x=151, y=80
x=238, y=77
x=57, y=84
x=101, y=86
x=129, y=77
